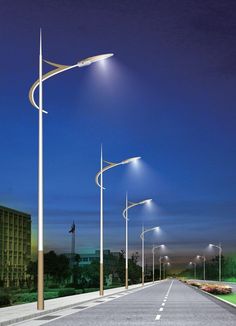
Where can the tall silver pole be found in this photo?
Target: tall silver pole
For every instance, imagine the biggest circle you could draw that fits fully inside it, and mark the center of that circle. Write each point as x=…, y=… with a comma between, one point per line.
x=153, y=265
x=220, y=252
x=160, y=269
x=40, y=303
x=143, y=256
x=101, y=226
x=126, y=245
x=204, y=268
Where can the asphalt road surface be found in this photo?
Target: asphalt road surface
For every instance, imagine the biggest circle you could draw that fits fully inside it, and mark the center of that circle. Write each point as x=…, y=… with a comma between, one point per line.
x=169, y=303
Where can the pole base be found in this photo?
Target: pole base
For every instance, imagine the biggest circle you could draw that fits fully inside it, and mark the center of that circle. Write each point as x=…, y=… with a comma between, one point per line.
x=142, y=278
x=40, y=303
x=126, y=279
x=101, y=291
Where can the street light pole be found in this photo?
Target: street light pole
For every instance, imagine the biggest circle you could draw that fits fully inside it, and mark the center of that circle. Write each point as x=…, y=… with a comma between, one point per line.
x=143, y=256
x=101, y=226
x=160, y=259
x=220, y=258
x=194, y=269
x=142, y=238
x=126, y=244
x=160, y=268
x=153, y=265
x=164, y=269
x=129, y=205
x=220, y=263
x=153, y=260
x=99, y=182
x=204, y=268
x=39, y=84
x=204, y=265
x=40, y=303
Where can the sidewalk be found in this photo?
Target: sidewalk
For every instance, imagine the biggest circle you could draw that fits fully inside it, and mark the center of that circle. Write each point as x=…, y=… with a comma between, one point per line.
x=14, y=314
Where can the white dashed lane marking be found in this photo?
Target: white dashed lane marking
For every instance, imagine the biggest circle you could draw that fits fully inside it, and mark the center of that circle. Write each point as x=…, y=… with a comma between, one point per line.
x=158, y=317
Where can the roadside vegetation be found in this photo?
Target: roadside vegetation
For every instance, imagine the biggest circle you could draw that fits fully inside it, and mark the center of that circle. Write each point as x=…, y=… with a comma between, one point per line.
x=63, y=278
x=230, y=297
x=211, y=288
x=212, y=269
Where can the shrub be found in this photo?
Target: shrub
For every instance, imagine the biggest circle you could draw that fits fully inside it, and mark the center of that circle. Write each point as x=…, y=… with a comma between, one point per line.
x=193, y=283
x=5, y=300
x=66, y=291
x=52, y=286
x=216, y=288
x=87, y=290
x=31, y=297
x=24, y=297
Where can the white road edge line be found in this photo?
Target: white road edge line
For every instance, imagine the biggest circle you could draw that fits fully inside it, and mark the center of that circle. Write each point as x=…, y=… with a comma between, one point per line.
x=161, y=309
x=158, y=317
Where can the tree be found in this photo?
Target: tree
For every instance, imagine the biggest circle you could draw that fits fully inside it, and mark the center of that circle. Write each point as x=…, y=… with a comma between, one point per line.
x=134, y=269
x=32, y=270
x=56, y=268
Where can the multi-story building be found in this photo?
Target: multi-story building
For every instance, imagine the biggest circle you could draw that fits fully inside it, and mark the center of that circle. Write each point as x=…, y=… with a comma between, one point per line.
x=15, y=246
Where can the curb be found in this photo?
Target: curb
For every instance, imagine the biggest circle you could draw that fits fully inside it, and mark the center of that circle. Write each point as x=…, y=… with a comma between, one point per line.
x=220, y=299
x=49, y=311
x=212, y=295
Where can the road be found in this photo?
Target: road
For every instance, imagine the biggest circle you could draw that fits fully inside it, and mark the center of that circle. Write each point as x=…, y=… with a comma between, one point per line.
x=169, y=303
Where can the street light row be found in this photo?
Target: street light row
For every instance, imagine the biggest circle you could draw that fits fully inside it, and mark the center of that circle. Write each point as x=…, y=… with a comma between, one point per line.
x=129, y=204
x=59, y=68
x=203, y=258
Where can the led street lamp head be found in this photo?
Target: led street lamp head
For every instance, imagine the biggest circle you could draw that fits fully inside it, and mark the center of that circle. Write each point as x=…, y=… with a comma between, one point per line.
x=96, y=58
x=131, y=160
x=146, y=201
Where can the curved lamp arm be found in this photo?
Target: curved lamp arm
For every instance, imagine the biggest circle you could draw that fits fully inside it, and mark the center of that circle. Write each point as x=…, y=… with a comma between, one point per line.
x=156, y=247
x=61, y=68
x=135, y=204
x=213, y=245
x=201, y=257
x=112, y=165
x=148, y=230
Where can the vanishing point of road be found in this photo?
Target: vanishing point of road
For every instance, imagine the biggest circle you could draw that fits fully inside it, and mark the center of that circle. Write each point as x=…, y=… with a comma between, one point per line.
x=168, y=303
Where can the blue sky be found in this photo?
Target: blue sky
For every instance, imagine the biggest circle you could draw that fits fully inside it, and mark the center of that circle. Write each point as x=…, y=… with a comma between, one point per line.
x=167, y=95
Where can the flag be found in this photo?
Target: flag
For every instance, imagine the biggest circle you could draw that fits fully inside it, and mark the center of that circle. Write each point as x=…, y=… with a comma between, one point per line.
x=72, y=230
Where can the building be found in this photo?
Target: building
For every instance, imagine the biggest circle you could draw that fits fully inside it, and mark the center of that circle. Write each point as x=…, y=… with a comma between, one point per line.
x=15, y=246
x=86, y=259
